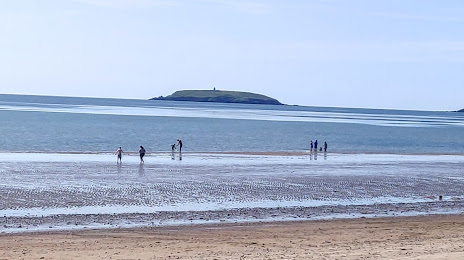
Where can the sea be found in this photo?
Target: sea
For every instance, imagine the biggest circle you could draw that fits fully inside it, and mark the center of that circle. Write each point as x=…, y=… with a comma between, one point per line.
x=93, y=125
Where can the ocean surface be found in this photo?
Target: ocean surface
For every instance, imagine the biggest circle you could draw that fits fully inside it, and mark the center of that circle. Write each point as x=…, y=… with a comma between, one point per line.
x=69, y=124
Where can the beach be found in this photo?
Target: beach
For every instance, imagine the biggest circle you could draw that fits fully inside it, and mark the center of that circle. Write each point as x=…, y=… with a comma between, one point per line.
x=53, y=192
x=231, y=206
x=426, y=237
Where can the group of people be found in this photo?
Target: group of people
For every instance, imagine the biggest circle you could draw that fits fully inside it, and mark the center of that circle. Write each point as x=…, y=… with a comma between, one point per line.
x=179, y=144
x=315, y=144
x=142, y=151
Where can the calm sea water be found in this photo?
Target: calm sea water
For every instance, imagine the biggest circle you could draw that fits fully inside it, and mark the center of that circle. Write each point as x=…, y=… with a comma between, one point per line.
x=67, y=124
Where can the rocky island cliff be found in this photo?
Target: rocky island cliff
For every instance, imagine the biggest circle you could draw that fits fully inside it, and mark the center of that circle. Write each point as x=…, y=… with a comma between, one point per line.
x=220, y=96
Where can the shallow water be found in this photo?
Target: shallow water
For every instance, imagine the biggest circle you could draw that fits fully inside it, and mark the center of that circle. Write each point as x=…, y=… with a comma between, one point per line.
x=59, y=124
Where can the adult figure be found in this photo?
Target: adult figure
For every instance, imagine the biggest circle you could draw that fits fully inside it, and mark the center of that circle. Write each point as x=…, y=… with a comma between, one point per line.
x=315, y=146
x=325, y=146
x=311, y=145
x=142, y=152
x=179, y=143
x=119, y=153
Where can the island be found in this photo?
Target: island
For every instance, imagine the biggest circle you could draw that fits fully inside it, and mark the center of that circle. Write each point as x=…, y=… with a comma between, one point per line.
x=220, y=96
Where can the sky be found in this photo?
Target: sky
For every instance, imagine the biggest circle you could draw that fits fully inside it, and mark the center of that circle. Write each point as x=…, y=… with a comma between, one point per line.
x=400, y=54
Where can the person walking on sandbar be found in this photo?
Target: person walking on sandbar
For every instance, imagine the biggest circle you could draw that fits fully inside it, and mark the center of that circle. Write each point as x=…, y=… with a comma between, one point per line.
x=180, y=145
x=119, y=153
x=142, y=152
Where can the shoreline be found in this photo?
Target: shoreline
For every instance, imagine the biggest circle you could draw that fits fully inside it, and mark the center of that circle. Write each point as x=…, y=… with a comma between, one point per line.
x=227, y=224
x=108, y=221
x=264, y=153
x=423, y=237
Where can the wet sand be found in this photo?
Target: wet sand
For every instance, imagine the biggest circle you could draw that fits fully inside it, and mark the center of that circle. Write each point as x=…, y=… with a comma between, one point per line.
x=429, y=237
x=47, y=192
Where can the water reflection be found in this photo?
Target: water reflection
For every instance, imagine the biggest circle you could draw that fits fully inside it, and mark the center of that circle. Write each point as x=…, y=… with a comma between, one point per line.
x=175, y=156
x=141, y=170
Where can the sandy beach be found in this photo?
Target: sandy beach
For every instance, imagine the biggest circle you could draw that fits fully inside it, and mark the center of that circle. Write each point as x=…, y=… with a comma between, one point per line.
x=427, y=237
x=231, y=206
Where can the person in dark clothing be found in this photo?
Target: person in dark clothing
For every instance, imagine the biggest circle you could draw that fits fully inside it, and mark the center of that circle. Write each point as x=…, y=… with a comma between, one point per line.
x=119, y=153
x=142, y=152
x=325, y=146
x=179, y=143
x=315, y=146
x=311, y=145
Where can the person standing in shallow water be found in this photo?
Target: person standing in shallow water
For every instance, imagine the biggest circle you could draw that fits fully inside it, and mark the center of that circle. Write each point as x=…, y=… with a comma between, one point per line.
x=179, y=143
x=311, y=145
x=325, y=146
x=119, y=153
x=142, y=152
x=315, y=146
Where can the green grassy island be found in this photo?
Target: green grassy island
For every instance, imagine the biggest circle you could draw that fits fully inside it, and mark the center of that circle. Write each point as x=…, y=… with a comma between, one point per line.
x=220, y=96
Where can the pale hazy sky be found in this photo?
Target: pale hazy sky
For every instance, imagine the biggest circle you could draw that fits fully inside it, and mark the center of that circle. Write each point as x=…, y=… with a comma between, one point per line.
x=405, y=54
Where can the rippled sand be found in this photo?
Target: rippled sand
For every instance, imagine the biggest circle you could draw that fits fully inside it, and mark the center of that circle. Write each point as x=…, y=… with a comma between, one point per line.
x=66, y=191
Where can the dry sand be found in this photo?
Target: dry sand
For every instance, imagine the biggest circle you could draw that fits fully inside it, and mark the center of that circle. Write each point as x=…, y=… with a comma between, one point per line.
x=431, y=237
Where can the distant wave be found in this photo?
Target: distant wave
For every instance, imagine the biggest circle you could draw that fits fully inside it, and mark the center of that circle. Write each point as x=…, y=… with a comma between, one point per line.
x=244, y=114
